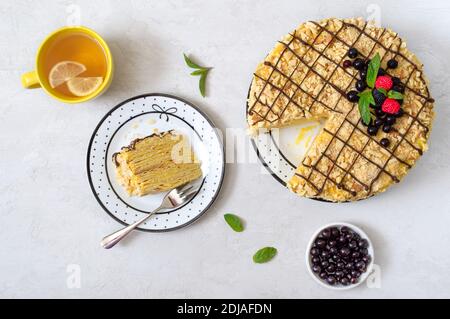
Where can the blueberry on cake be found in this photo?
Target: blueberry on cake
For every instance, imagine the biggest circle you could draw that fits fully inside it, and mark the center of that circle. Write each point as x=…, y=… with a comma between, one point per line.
x=370, y=91
x=156, y=163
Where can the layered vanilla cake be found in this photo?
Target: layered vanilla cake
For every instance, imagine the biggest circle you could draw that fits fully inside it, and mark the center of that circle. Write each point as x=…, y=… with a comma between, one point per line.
x=156, y=163
x=370, y=91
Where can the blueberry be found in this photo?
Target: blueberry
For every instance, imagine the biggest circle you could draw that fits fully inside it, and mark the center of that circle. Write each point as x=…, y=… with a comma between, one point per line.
x=334, y=232
x=344, y=251
x=361, y=85
x=396, y=80
x=353, y=244
x=381, y=72
x=352, y=96
x=361, y=266
x=331, y=280
x=352, y=53
x=314, y=252
x=332, y=243
x=324, y=264
x=349, y=266
x=378, y=122
x=342, y=240
x=379, y=113
x=399, y=88
x=359, y=64
x=387, y=128
x=321, y=243
x=345, y=229
x=315, y=260
x=392, y=64
x=331, y=268
x=316, y=268
x=384, y=141
x=326, y=233
x=339, y=274
x=390, y=119
x=363, y=74
x=372, y=130
x=325, y=254
x=347, y=64
x=345, y=281
x=333, y=250
x=364, y=251
x=356, y=254
x=367, y=259
x=323, y=275
x=340, y=264
x=378, y=97
x=363, y=243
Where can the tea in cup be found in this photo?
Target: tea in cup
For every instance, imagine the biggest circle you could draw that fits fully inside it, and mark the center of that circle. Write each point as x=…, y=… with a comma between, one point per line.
x=73, y=65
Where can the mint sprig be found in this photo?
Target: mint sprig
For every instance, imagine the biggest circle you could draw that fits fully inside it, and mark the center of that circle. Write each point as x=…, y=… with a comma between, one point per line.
x=199, y=71
x=365, y=100
x=372, y=70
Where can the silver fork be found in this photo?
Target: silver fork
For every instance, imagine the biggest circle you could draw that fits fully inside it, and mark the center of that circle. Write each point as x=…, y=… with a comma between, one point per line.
x=174, y=199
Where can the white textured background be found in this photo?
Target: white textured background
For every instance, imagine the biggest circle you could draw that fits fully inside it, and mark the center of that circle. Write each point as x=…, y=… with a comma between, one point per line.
x=49, y=218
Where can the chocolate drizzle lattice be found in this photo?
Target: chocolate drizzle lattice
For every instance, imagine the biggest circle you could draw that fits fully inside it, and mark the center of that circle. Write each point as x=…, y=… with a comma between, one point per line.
x=304, y=77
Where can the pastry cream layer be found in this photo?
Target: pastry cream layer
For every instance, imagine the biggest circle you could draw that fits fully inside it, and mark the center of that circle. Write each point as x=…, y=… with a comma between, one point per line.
x=156, y=163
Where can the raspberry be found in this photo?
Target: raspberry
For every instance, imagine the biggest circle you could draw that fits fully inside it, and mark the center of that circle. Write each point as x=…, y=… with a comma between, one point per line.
x=390, y=106
x=384, y=82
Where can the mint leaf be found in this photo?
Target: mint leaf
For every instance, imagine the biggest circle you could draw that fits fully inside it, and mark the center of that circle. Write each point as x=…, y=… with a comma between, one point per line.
x=365, y=100
x=190, y=63
x=198, y=72
x=372, y=70
x=202, y=84
x=234, y=222
x=395, y=95
x=383, y=91
x=264, y=255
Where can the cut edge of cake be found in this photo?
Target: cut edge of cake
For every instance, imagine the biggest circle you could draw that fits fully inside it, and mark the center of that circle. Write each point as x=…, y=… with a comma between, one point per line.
x=147, y=166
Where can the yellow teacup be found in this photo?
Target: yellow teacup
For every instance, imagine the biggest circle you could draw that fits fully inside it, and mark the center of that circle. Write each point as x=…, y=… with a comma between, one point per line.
x=49, y=53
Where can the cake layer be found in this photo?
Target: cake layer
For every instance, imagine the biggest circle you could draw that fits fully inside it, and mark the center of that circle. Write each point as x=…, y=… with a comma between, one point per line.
x=156, y=163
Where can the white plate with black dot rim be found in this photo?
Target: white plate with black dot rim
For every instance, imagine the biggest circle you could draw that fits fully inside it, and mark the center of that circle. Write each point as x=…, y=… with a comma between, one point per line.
x=141, y=116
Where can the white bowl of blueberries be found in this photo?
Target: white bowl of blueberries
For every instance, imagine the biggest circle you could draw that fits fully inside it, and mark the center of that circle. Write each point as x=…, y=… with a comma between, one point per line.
x=340, y=256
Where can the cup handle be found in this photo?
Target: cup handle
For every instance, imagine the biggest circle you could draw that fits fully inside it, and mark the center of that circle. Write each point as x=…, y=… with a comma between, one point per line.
x=30, y=80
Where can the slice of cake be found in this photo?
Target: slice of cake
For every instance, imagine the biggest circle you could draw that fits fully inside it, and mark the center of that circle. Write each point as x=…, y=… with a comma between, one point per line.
x=370, y=89
x=156, y=163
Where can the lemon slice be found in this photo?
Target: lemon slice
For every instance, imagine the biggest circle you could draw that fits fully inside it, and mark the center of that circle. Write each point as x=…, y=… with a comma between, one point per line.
x=64, y=71
x=83, y=86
